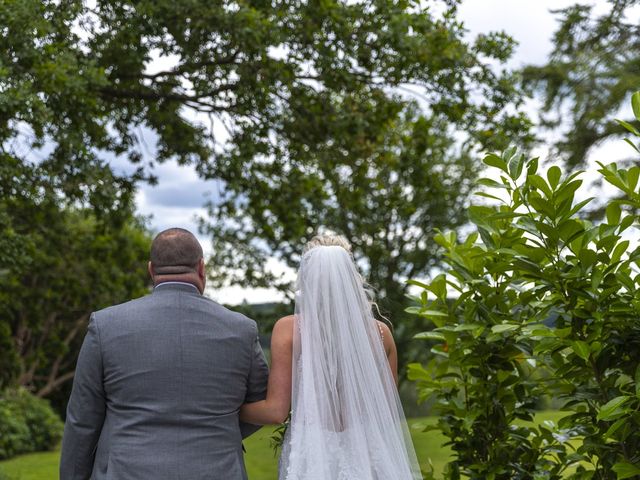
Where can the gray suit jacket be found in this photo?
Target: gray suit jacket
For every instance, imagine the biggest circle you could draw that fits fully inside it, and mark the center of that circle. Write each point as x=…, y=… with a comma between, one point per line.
x=157, y=390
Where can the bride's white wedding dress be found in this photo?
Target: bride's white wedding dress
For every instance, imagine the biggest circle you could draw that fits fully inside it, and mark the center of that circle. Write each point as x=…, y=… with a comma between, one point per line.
x=347, y=422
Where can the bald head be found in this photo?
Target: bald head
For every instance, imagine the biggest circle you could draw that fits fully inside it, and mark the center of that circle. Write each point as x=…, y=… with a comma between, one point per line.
x=175, y=251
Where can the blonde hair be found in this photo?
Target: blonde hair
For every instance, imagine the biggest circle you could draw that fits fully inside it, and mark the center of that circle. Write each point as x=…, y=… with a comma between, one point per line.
x=328, y=240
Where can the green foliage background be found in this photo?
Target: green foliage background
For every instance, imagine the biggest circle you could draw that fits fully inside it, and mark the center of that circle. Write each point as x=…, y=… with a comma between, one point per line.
x=63, y=259
x=319, y=137
x=315, y=127
x=547, y=304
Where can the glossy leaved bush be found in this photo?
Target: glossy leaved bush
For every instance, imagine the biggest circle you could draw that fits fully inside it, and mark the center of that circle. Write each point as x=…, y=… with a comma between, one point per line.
x=538, y=302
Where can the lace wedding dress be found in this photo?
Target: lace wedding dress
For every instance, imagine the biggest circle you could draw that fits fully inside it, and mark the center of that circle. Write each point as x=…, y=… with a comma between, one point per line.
x=347, y=422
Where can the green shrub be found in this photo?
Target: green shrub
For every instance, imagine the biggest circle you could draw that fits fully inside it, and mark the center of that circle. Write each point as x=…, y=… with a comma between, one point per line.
x=548, y=304
x=27, y=424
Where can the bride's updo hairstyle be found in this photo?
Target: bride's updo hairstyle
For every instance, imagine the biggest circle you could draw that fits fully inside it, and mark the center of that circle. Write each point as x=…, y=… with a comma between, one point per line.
x=328, y=241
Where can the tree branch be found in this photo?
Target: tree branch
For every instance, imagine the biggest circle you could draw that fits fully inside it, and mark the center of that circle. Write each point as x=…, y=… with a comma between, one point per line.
x=195, y=102
x=53, y=381
x=51, y=386
x=188, y=68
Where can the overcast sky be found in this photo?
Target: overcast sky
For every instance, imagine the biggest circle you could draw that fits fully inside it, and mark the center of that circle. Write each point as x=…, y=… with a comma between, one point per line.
x=179, y=197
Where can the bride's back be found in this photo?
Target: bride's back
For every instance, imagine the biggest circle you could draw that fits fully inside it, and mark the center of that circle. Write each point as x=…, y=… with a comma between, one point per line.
x=347, y=421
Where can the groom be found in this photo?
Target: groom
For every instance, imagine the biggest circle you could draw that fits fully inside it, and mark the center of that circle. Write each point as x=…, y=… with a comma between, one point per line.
x=160, y=379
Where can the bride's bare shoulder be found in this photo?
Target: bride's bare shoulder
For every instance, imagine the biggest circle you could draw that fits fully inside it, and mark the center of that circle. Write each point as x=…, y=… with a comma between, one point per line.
x=284, y=326
x=282, y=335
x=286, y=321
x=385, y=331
x=387, y=337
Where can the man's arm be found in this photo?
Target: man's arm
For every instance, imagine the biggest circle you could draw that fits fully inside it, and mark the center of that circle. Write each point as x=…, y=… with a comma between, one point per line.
x=85, y=411
x=256, y=384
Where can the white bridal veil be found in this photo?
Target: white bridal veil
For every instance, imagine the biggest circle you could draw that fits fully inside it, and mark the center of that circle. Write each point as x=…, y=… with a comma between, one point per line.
x=347, y=422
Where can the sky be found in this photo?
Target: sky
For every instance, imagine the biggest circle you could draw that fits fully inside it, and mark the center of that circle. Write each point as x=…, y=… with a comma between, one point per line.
x=179, y=196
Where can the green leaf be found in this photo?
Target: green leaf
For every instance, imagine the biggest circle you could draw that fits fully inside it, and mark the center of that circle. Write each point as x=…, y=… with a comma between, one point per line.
x=581, y=349
x=505, y=327
x=626, y=470
x=418, y=284
x=508, y=154
x=619, y=251
x=633, y=145
x=439, y=286
x=567, y=190
x=539, y=331
x=515, y=166
x=487, y=195
x=480, y=214
x=542, y=206
x=578, y=206
x=615, y=427
x=464, y=327
x=413, y=310
x=613, y=409
x=623, y=380
x=415, y=371
x=538, y=182
x=553, y=176
x=632, y=177
x=626, y=222
x=637, y=380
x=569, y=230
x=432, y=313
x=503, y=215
x=629, y=127
x=587, y=257
x=613, y=213
x=446, y=240
x=494, y=160
x=635, y=105
x=430, y=336
x=489, y=182
x=611, y=175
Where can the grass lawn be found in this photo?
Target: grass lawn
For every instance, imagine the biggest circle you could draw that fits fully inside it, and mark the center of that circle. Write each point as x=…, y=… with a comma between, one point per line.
x=263, y=465
x=260, y=459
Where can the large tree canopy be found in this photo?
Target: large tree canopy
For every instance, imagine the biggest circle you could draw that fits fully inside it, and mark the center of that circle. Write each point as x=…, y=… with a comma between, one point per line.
x=274, y=74
x=591, y=73
x=300, y=109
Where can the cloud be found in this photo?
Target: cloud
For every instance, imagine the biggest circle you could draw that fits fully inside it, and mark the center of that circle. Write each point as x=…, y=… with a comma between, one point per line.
x=177, y=201
x=170, y=193
x=530, y=22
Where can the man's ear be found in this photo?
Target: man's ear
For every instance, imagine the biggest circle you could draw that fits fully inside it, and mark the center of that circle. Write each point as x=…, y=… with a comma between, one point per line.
x=202, y=269
x=150, y=269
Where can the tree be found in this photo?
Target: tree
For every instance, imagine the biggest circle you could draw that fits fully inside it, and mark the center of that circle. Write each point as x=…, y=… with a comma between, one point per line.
x=386, y=192
x=307, y=95
x=593, y=68
x=65, y=261
x=79, y=76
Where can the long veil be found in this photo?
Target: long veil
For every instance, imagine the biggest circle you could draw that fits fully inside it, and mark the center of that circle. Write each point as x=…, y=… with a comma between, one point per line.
x=347, y=422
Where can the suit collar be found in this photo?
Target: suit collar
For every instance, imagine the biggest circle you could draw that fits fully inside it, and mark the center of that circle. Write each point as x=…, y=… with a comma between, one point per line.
x=176, y=286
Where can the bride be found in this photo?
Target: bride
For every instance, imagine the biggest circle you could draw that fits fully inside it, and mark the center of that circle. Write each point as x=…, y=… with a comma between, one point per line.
x=335, y=367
